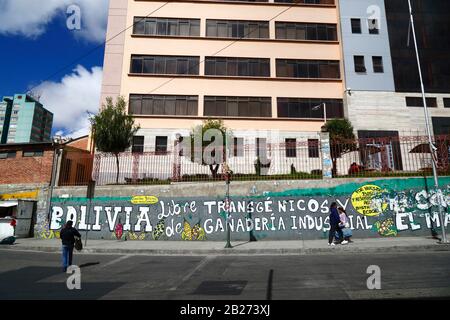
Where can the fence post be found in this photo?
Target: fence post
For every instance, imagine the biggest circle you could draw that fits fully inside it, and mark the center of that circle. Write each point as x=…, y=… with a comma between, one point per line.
x=327, y=163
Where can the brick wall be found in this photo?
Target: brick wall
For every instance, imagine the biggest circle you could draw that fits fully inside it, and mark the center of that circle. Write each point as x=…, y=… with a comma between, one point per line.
x=21, y=169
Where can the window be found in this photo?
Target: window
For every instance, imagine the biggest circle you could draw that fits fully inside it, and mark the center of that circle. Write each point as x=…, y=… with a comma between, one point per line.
x=238, y=147
x=36, y=153
x=356, y=25
x=418, y=102
x=446, y=102
x=161, y=145
x=165, y=65
x=237, y=29
x=325, y=69
x=7, y=154
x=261, y=148
x=378, y=64
x=291, y=148
x=313, y=148
x=303, y=108
x=238, y=106
x=138, y=144
x=166, y=27
x=373, y=26
x=305, y=31
x=242, y=67
x=172, y=105
x=360, y=65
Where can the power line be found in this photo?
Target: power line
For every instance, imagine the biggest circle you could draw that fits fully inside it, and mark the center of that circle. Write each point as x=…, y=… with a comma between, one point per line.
x=88, y=53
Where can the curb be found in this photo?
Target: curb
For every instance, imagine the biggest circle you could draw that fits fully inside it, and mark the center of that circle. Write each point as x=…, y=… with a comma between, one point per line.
x=240, y=252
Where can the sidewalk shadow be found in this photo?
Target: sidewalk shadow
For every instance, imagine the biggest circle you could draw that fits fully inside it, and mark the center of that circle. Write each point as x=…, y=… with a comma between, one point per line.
x=89, y=264
x=241, y=244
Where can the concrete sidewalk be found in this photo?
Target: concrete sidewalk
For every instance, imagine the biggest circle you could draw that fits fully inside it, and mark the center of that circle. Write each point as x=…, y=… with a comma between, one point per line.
x=299, y=247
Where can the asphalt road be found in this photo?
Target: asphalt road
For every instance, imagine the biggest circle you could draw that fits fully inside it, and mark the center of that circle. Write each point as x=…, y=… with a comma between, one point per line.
x=33, y=275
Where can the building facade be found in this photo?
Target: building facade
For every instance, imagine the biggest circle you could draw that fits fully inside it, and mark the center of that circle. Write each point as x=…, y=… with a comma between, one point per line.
x=23, y=119
x=261, y=66
x=382, y=79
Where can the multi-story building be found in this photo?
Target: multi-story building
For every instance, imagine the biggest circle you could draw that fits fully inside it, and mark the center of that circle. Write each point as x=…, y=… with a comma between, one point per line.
x=23, y=119
x=383, y=96
x=261, y=66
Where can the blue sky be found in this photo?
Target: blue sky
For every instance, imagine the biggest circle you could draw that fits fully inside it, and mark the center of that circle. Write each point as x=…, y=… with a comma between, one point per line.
x=42, y=44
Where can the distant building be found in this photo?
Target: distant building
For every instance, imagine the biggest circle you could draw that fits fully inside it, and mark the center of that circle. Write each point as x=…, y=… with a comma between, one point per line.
x=32, y=163
x=23, y=119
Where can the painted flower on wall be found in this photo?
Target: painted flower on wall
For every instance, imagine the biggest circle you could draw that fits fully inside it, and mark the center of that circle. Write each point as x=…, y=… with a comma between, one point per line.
x=386, y=228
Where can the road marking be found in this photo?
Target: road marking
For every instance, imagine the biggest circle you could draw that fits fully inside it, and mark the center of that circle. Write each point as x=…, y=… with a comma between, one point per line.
x=116, y=260
x=200, y=266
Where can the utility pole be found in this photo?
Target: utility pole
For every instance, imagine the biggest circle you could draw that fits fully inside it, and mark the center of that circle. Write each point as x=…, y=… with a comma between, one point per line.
x=427, y=123
x=227, y=175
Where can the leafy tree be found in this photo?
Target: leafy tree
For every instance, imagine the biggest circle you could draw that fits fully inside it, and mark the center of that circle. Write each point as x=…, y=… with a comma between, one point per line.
x=199, y=133
x=342, y=139
x=113, y=129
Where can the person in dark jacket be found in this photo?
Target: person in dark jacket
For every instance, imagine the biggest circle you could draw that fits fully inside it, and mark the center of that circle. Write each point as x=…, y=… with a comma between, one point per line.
x=335, y=219
x=68, y=234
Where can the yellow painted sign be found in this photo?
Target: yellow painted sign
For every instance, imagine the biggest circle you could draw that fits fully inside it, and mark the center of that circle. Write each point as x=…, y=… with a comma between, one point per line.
x=20, y=195
x=144, y=200
x=368, y=200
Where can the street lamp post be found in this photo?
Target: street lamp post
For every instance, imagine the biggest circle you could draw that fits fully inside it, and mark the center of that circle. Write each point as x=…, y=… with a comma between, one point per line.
x=227, y=175
x=427, y=123
x=324, y=106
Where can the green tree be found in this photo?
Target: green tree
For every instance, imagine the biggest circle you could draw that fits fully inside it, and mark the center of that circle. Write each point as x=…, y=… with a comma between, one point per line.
x=113, y=128
x=342, y=139
x=200, y=133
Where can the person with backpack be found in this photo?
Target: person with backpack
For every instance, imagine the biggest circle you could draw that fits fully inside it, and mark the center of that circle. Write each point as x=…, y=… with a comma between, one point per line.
x=68, y=234
x=335, y=220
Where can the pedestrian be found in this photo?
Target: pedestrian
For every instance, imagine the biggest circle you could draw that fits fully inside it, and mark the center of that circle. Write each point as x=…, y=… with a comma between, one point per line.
x=68, y=234
x=345, y=225
x=334, y=225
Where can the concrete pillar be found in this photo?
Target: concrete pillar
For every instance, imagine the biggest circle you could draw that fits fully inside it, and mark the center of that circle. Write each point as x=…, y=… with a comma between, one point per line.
x=327, y=163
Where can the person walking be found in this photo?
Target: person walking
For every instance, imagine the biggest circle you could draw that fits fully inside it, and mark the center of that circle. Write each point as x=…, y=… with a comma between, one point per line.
x=68, y=234
x=345, y=225
x=335, y=219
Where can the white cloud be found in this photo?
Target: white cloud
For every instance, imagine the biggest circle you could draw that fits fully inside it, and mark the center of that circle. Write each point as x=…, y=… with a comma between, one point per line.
x=29, y=18
x=70, y=99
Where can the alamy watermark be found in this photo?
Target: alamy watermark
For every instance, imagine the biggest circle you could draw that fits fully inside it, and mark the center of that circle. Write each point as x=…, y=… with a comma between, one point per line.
x=73, y=21
x=74, y=280
x=374, y=281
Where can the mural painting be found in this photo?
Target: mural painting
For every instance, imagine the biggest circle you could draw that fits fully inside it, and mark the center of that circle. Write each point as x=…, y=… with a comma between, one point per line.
x=383, y=208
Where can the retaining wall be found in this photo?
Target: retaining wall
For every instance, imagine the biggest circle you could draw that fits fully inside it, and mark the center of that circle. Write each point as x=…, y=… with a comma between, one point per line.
x=269, y=210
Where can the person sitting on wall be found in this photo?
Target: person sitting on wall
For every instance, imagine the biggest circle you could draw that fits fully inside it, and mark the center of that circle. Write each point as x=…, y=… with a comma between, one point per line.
x=354, y=169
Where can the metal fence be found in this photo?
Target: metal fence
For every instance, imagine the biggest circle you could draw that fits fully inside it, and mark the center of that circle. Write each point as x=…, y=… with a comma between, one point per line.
x=365, y=157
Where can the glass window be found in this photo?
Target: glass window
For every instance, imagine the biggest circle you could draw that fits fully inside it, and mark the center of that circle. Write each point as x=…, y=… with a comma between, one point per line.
x=138, y=144
x=35, y=153
x=238, y=147
x=291, y=148
x=373, y=26
x=161, y=145
x=356, y=25
x=378, y=64
x=360, y=65
x=313, y=148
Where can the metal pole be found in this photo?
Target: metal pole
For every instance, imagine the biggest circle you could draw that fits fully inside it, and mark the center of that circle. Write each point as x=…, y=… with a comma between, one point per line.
x=87, y=223
x=427, y=117
x=325, y=112
x=228, y=245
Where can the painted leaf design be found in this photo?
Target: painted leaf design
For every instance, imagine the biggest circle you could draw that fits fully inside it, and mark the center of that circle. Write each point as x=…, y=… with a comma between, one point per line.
x=187, y=232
